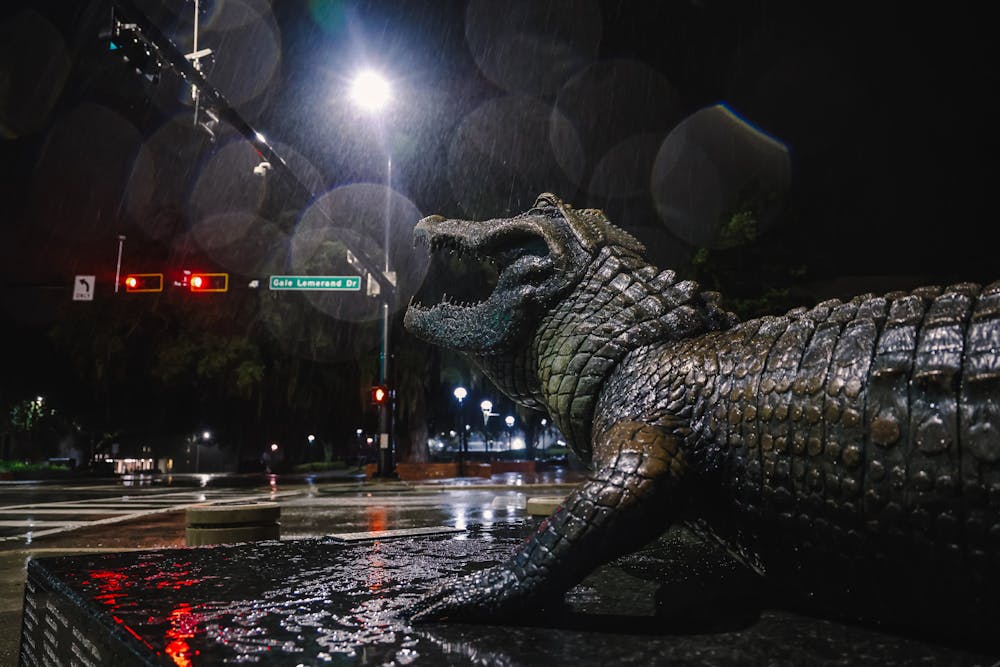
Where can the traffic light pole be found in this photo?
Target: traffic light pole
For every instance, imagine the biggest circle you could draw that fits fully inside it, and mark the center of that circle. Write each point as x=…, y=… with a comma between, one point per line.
x=386, y=449
x=385, y=453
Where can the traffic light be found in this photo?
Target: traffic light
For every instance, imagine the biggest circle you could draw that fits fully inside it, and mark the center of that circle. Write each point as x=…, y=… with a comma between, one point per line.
x=209, y=282
x=380, y=394
x=128, y=42
x=143, y=282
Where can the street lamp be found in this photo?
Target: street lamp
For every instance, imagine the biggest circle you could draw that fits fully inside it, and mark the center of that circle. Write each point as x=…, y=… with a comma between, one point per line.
x=371, y=92
x=460, y=393
x=487, y=407
x=205, y=436
x=509, y=421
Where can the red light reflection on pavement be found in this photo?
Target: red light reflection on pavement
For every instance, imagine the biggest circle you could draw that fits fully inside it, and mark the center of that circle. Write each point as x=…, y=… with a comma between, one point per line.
x=183, y=626
x=378, y=518
x=111, y=586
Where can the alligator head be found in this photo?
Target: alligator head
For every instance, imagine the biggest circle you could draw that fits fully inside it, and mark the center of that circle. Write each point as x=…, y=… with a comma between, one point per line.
x=539, y=256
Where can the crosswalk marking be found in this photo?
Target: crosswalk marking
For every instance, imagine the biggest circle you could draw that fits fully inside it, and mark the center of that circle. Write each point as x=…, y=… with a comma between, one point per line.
x=112, y=509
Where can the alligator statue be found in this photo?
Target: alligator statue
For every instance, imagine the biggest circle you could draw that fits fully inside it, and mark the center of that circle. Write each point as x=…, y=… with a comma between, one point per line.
x=849, y=450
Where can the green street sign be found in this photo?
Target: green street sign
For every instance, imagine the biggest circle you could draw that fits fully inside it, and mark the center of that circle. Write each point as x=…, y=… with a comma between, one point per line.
x=327, y=283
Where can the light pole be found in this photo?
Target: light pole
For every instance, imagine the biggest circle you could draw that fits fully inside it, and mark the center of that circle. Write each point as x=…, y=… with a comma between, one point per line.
x=206, y=436
x=509, y=421
x=460, y=393
x=370, y=92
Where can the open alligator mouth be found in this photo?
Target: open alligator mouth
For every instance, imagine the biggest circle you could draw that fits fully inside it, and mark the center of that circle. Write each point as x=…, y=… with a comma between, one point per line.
x=464, y=274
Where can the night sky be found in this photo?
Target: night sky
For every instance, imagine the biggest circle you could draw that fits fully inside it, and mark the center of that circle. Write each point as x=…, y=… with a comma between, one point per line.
x=862, y=138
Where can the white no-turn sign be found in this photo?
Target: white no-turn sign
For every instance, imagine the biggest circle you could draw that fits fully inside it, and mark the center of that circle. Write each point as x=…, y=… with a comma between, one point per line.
x=83, y=288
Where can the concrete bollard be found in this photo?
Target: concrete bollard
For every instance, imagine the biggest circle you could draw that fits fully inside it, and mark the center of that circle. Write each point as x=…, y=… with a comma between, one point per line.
x=229, y=523
x=543, y=505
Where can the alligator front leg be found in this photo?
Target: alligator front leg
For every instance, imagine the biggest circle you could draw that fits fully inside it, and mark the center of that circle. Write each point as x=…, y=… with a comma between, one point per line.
x=626, y=503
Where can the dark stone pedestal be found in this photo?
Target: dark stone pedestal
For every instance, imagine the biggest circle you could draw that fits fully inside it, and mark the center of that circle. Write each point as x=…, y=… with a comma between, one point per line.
x=323, y=601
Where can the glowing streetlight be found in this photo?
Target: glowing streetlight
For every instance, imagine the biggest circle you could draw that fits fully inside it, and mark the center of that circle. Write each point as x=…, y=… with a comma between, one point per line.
x=370, y=91
x=460, y=394
x=274, y=446
x=206, y=435
x=311, y=438
x=487, y=408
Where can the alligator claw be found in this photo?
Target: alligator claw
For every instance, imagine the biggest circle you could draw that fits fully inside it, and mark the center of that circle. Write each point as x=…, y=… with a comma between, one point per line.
x=487, y=595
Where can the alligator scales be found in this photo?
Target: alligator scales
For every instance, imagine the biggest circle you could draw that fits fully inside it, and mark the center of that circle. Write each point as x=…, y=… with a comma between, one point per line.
x=851, y=448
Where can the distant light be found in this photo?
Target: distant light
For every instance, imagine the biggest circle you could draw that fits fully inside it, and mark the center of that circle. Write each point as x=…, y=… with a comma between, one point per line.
x=359, y=432
x=517, y=443
x=206, y=435
x=197, y=281
x=460, y=393
x=486, y=405
x=544, y=422
x=509, y=420
x=370, y=90
x=311, y=438
x=274, y=446
x=260, y=137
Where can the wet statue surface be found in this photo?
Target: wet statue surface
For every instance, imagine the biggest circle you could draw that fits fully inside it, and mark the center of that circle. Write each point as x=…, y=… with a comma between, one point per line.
x=319, y=601
x=847, y=453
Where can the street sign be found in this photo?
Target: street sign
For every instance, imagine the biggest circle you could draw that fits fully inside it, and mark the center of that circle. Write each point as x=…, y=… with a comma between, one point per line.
x=83, y=288
x=327, y=283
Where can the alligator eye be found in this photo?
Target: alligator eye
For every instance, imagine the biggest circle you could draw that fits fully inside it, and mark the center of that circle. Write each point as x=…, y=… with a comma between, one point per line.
x=546, y=200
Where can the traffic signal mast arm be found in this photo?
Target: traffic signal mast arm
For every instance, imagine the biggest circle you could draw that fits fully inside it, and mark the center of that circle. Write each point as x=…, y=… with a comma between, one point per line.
x=171, y=56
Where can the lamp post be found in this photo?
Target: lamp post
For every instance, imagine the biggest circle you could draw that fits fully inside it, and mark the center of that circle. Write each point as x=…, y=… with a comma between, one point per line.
x=460, y=393
x=206, y=436
x=487, y=407
x=370, y=92
x=509, y=420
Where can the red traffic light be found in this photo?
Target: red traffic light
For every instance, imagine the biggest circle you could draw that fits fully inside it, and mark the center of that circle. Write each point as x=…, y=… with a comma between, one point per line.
x=143, y=282
x=209, y=282
x=380, y=394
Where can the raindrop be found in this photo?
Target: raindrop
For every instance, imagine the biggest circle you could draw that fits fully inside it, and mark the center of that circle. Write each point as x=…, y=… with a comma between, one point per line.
x=501, y=152
x=35, y=64
x=612, y=100
x=89, y=154
x=532, y=47
x=355, y=217
x=714, y=166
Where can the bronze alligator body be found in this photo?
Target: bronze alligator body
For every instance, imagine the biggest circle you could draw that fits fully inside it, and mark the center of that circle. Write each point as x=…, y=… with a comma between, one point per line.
x=849, y=449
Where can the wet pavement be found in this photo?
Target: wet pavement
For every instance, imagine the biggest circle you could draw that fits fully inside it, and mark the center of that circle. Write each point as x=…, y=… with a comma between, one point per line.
x=314, y=599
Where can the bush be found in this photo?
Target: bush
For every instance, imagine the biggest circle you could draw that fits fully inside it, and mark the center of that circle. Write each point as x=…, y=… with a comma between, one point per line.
x=21, y=466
